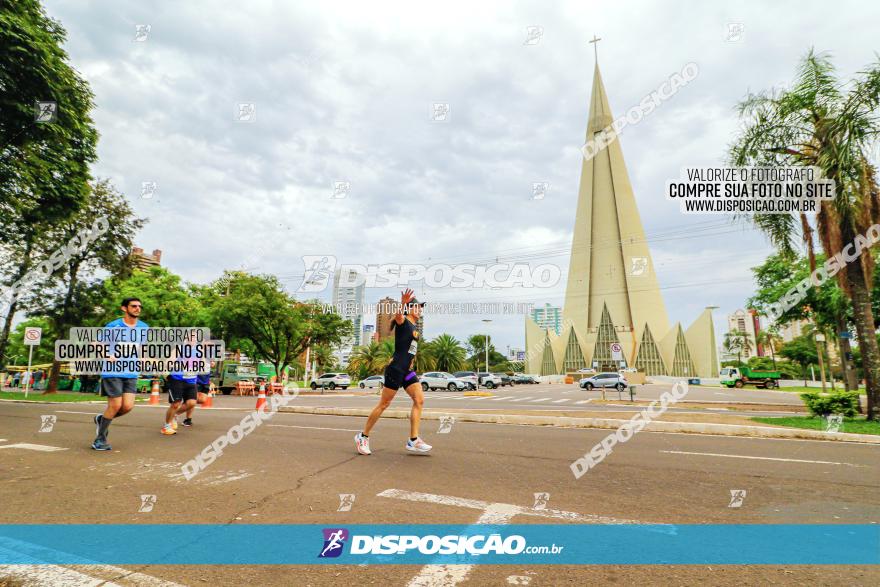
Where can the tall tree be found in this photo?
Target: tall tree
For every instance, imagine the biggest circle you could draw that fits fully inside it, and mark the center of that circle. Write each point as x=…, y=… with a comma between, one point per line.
x=280, y=328
x=97, y=237
x=47, y=140
x=817, y=123
x=449, y=355
x=368, y=359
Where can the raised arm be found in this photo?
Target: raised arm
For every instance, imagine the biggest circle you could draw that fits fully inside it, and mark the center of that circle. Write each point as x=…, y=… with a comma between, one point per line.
x=405, y=297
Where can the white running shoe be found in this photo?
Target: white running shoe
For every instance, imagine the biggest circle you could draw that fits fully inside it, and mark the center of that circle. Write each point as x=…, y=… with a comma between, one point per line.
x=362, y=443
x=417, y=445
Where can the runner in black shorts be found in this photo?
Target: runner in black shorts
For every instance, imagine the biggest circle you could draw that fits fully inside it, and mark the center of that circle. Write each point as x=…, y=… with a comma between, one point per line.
x=181, y=396
x=400, y=373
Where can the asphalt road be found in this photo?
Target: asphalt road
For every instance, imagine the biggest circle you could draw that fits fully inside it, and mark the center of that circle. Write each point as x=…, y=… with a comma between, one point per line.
x=548, y=397
x=293, y=469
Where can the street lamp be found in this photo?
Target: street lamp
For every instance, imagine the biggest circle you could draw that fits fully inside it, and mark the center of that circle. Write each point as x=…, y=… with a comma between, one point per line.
x=486, y=321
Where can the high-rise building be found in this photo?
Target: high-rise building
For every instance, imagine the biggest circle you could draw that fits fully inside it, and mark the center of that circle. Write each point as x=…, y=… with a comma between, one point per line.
x=384, y=316
x=548, y=317
x=367, y=334
x=614, y=314
x=385, y=310
x=143, y=261
x=349, y=303
x=746, y=321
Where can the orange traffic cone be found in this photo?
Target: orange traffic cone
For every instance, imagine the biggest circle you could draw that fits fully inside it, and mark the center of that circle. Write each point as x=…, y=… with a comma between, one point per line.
x=209, y=400
x=261, y=398
x=154, y=394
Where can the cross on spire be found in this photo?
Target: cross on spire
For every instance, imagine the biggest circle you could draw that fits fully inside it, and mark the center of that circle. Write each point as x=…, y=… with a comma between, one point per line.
x=594, y=41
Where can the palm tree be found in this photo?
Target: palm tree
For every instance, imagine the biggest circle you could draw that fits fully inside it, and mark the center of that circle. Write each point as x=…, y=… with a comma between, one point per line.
x=425, y=360
x=323, y=357
x=369, y=359
x=767, y=338
x=817, y=124
x=736, y=341
x=448, y=353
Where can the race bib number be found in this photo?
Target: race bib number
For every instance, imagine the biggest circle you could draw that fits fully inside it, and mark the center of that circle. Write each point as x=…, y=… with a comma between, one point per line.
x=413, y=347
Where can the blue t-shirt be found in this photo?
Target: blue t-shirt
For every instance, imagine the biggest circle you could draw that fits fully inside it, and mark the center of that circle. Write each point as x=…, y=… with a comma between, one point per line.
x=179, y=376
x=203, y=378
x=130, y=336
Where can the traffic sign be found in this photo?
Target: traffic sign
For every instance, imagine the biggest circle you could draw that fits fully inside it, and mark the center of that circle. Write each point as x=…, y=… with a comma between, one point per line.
x=32, y=335
x=616, y=351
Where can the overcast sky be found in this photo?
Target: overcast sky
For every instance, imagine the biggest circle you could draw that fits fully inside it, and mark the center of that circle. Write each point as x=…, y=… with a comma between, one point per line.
x=343, y=92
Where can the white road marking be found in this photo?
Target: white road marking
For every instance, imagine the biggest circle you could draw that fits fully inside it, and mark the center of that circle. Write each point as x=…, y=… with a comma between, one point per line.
x=522, y=399
x=71, y=412
x=517, y=510
x=312, y=427
x=584, y=401
x=50, y=575
x=561, y=401
x=498, y=399
x=37, y=447
x=68, y=575
x=492, y=513
x=542, y=399
x=712, y=454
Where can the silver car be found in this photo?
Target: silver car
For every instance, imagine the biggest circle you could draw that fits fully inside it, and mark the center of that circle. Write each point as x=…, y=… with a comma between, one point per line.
x=332, y=381
x=442, y=380
x=372, y=381
x=615, y=380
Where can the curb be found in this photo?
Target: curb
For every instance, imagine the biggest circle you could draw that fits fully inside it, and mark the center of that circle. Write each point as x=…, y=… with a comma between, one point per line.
x=605, y=423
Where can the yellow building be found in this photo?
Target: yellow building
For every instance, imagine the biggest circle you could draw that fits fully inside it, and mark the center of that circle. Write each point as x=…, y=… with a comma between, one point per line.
x=612, y=295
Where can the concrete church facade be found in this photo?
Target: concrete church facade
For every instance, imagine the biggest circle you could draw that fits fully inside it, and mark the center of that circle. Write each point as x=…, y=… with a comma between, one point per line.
x=612, y=295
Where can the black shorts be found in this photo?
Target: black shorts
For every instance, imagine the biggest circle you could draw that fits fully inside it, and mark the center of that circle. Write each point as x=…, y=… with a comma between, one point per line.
x=396, y=378
x=116, y=386
x=203, y=387
x=181, y=391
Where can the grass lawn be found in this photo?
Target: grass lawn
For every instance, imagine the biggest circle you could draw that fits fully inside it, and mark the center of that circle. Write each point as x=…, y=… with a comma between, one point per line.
x=802, y=389
x=61, y=396
x=853, y=425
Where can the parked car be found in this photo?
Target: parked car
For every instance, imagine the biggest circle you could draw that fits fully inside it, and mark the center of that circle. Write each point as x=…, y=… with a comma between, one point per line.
x=615, y=380
x=332, y=381
x=520, y=378
x=490, y=380
x=443, y=380
x=506, y=379
x=587, y=371
x=469, y=376
x=372, y=381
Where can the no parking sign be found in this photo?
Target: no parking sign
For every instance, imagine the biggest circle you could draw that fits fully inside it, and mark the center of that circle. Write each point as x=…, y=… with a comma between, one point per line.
x=32, y=335
x=616, y=351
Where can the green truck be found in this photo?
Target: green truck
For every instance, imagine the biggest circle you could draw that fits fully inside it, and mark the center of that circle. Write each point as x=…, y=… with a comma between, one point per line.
x=228, y=374
x=737, y=377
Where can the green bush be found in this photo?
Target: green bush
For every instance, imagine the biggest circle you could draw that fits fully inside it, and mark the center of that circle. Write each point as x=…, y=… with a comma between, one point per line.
x=839, y=402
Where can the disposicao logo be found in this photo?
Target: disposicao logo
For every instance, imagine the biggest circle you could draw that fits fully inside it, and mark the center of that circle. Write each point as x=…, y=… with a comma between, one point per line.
x=334, y=541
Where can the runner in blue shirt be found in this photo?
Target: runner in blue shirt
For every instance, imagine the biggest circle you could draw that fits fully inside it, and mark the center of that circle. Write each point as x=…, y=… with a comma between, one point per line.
x=182, y=397
x=119, y=380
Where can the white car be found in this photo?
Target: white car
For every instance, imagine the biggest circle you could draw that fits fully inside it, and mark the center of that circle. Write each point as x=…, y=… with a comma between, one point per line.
x=442, y=380
x=332, y=381
x=490, y=380
x=372, y=381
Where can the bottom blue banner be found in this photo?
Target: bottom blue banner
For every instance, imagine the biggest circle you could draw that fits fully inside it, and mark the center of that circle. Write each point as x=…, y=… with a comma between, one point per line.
x=558, y=544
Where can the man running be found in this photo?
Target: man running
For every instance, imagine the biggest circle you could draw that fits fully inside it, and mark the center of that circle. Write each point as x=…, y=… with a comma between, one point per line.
x=399, y=373
x=120, y=386
x=203, y=388
x=182, y=396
